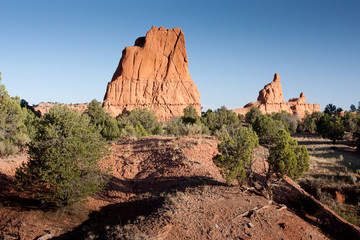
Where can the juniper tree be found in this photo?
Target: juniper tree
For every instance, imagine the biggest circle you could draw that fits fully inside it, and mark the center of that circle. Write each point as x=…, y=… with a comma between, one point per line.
x=236, y=148
x=63, y=159
x=286, y=157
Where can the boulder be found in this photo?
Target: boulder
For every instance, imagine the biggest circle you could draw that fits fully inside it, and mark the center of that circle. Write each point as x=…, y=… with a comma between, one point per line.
x=153, y=74
x=271, y=100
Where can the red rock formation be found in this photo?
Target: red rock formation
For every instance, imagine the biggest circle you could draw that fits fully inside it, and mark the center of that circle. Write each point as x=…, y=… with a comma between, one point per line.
x=271, y=100
x=272, y=92
x=45, y=107
x=153, y=74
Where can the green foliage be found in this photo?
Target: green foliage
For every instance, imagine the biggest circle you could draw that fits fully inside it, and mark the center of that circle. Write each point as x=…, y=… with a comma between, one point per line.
x=107, y=125
x=31, y=120
x=140, y=130
x=62, y=169
x=236, y=147
x=219, y=118
x=252, y=115
x=266, y=128
x=110, y=129
x=349, y=121
x=141, y=118
x=286, y=157
x=353, y=108
x=25, y=104
x=96, y=113
x=177, y=127
x=331, y=109
x=310, y=121
x=13, y=132
x=190, y=115
x=291, y=122
x=330, y=127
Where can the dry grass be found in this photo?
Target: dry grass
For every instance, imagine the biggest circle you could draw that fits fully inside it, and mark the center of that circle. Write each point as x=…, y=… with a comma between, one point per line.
x=334, y=169
x=328, y=159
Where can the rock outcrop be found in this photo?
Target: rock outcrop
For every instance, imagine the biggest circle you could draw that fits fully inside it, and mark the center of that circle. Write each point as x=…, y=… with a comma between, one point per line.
x=271, y=100
x=153, y=74
x=44, y=107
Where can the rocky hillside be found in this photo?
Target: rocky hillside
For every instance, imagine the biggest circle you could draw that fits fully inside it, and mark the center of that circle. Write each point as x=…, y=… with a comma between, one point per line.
x=169, y=188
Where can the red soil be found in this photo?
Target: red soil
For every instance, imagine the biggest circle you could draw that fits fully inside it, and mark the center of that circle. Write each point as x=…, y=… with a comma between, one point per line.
x=168, y=188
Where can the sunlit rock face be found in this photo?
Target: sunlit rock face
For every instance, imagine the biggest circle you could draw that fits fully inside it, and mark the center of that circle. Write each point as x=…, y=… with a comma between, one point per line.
x=153, y=74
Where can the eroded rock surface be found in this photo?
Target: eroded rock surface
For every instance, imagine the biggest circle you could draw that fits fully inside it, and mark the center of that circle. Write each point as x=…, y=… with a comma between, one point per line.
x=271, y=100
x=153, y=74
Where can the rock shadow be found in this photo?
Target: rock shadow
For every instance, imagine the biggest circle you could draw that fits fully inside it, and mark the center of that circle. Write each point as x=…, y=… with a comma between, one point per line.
x=156, y=185
x=109, y=216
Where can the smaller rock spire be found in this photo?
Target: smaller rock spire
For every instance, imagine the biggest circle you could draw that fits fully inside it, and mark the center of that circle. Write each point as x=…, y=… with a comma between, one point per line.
x=276, y=77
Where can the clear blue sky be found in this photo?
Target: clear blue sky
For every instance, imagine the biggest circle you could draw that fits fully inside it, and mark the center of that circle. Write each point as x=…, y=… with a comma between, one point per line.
x=67, y=51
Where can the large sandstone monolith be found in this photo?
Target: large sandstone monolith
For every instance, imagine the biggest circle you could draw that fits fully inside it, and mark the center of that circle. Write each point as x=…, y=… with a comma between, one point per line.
x=153, y=74
x=271, y=100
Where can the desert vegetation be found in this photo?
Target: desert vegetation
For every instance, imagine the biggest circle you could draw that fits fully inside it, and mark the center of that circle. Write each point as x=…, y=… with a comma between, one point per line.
x=65, y=148
x=333, y=175
x=63, y=159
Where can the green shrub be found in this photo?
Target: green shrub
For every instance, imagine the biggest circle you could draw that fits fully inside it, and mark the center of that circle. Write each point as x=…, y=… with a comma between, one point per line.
x=286, y=157
x=349, y=122
x=241, y=117
x=330, y=127
x=309, y=122
x=192, y=129
x=106, y=124
x=128, y=131
x=219, y=118
x=190, y=115
x=266, y=128
x=62, y=169
x=145, y=117
x=291, y=122
x=96, y=113
x=140, y=130
x=252, y=115
x=236, y=147
x=177, y=127
x=110, y=129
x=8, y=149
x=331, y=109
x=13, y=132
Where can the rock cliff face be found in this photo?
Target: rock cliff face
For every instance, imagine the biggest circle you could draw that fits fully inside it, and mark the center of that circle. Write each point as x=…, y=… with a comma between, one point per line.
x=271, y=100
x=153, y=74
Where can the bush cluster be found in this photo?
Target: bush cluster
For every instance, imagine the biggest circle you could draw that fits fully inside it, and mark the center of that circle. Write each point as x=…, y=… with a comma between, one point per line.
x=16, y=124
x=236, y=148
x=332, y=126
x=135, y=123
x=62, y=169
x=188, y=125
x=236, y=153
x=219, y=118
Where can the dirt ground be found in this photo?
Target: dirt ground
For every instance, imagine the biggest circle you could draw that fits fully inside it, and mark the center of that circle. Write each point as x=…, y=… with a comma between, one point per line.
x=169, y=188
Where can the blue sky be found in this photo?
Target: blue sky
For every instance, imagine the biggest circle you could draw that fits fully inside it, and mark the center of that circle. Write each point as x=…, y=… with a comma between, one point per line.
x=67, y=51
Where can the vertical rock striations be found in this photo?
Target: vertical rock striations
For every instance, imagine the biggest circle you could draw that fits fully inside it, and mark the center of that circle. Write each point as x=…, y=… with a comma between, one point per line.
x=153, y=74
x=271, y=100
